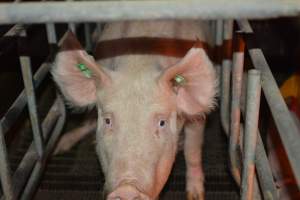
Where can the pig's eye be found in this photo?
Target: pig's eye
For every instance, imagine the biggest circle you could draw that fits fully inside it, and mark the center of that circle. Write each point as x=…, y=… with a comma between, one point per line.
x=107, y=121
x=162, y=123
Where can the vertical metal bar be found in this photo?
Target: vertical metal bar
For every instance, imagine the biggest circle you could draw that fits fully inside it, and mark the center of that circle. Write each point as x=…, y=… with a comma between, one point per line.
x=52, y=39
x=72, y=25
x=87, y=36
x=31, y=102
x=250, y=137
x=236, y=90
x=5, y=174
x=225, y=76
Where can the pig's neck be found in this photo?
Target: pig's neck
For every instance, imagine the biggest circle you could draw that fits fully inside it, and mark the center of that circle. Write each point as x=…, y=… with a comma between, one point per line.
x=189, y=30
x=167, y=29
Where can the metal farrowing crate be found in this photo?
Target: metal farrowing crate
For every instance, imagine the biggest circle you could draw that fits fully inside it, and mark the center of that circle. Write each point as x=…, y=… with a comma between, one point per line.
x=230, y=59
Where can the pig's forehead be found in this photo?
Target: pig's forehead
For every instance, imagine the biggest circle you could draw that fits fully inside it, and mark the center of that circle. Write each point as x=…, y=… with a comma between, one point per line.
x=137, y=87
x=134, y=95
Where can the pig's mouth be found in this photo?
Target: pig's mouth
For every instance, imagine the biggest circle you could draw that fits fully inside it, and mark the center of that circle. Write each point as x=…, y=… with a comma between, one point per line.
x=128, y=190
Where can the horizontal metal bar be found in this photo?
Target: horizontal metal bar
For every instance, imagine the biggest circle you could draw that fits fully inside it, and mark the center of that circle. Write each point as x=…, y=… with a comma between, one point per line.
x=96, y=11
x=284, y=122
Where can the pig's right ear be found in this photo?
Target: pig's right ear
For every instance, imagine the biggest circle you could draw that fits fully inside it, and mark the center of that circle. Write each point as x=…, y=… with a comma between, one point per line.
x=77, y=74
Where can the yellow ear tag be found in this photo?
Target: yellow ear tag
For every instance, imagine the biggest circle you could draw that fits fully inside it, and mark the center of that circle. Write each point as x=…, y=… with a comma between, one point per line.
x=179, y=80
x=86, y=71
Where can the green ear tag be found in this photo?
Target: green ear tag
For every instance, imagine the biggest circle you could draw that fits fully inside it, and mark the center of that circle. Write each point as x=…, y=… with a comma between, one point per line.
x=179, y=80
x=86, y=71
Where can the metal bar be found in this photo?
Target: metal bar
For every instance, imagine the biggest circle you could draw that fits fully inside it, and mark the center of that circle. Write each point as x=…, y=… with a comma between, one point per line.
x=225, y=77
x=250, y=136
x=25, y=167
x=87, y=36
x=27, y=164
x=286, y=126
x=41, y=164
x=264, y=172
x=17, y=107
x=266, y=181
x=31, y=102
x=51, y=35
x=237, y=82
x=5, y=174
x=96, y=11
x=14, y=31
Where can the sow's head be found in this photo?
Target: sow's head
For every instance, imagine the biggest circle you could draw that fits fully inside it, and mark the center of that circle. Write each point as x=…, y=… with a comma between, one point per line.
x=141, y=109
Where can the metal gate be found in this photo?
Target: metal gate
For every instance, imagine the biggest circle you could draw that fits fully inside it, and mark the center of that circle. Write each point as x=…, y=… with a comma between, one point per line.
x=231, y=45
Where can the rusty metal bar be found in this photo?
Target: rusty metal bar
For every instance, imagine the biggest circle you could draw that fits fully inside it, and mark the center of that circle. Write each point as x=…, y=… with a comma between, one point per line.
x=282, y=117
x=266, y=181
x=96, y=11
x=31, y=102
x=5, y=174
x=236, y=90
x=286, y=126
x=250, y=134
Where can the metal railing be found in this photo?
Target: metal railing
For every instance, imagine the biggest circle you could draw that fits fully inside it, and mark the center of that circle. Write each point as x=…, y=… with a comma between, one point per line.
x=96, y=11
x=45, y=133
x=245, y=143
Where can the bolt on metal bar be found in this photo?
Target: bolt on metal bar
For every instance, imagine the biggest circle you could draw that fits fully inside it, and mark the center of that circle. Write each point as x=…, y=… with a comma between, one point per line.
x=250, y=134
x=96, y=11
x=5, y=174
x=236, y=90
x=41, y=164
x=280, y=112
x=31, y=102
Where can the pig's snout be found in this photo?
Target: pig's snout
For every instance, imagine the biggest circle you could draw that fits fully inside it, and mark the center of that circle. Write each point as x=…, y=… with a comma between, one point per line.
x=127, y=192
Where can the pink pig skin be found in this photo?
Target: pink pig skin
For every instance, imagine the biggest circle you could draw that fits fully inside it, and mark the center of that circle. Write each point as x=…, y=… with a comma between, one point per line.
x=140, y=112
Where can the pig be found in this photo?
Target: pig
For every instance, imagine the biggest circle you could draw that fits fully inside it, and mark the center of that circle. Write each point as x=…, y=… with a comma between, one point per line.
x=141, y=109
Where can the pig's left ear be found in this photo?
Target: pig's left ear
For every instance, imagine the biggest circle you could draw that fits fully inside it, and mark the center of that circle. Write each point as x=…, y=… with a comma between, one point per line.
x=194, y=82
x=77, y=74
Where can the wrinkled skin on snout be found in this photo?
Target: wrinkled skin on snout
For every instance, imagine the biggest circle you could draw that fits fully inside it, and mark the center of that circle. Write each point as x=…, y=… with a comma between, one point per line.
x=140, y=113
